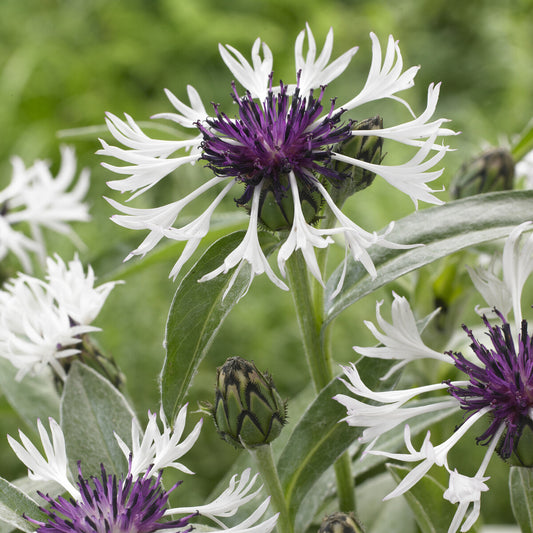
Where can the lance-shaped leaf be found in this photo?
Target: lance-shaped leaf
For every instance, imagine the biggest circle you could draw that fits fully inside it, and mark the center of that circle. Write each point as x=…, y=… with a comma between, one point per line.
x=442, y=230
x=92, y=410
x=196, y=314
x=521, y=489
x=14, y=503
x=33, y=397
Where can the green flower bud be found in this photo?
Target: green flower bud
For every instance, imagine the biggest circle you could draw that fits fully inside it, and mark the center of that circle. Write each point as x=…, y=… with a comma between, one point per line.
x=341, y=523
x=248, y=409
x=364, y=148
x=278, y=214
x=492, y=171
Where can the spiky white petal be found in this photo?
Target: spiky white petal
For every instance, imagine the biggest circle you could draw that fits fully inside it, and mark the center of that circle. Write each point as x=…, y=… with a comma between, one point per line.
x=53, y=467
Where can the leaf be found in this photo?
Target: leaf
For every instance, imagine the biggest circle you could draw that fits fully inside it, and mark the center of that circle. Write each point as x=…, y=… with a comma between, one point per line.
x=14, y=503
x=524, y=143
x=92, y=410
x=521, y=489
x=319, y=439
x=432, y=512
x=443, y=230
x=195, y=316
x=33, y=397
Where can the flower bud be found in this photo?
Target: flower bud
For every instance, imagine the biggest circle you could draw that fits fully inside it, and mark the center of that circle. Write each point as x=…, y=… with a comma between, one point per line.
x=492, y=171
x=248, y=409
x=341, y=523
x=364, y=148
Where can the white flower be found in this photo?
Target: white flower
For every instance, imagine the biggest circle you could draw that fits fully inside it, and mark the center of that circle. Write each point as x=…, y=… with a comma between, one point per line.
x=42, y=322
x=283, y=159
x=34, y=196
x=401, y=339
x=52, y=468
x=159, y=450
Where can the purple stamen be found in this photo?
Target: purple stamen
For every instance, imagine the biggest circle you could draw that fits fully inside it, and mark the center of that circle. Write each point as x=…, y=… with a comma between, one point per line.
x=269, y=139
x=504, y=383
x=109, y=505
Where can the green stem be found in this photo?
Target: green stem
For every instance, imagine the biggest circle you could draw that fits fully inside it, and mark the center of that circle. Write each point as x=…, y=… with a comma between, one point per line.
x=309, y=311
x=265, y=464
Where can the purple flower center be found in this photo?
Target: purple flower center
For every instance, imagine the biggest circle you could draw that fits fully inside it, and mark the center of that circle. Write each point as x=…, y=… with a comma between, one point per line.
x=504, y=383
x=109, y=505
x=273, y=137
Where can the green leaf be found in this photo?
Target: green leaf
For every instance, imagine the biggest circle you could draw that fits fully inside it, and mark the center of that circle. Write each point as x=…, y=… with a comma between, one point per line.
x=524, y=143
x=521, y=489
x=443, y=230
x=196, y=314
x=432, y=512
x=92, y=410
x=14, y=503
x=319, y=439
x=33, y=397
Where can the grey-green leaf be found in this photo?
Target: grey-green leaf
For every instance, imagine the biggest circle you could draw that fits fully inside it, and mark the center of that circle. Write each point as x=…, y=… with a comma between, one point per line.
x=14, y=503
x=33, y=397
x=442, y=230
x=196, y=314
x=521, y=489
x=92, y=410
x=319, y=439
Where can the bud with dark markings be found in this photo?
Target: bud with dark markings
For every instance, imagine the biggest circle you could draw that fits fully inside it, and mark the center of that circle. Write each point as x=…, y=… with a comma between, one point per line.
x=341, y=523
x=492, y=171
x=248, y=410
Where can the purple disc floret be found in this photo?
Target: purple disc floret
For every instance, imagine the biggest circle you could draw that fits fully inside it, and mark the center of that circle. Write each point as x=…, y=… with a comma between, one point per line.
x=108, y=505
x=503, y=383
x=270, y=138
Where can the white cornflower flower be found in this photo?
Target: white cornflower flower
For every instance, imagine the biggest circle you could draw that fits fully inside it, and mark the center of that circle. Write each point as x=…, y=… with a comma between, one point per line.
x=135, y=501
x=497, y=388
x=283, y=150
x=42, y=322
x=37, y=198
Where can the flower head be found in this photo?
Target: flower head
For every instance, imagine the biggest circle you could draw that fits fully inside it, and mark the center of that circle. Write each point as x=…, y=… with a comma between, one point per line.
x=43, y=322
x=497, y=390
x=135, y=502
x=503, y=382
x=110, y=504
x=37, y=198
x=283, y=150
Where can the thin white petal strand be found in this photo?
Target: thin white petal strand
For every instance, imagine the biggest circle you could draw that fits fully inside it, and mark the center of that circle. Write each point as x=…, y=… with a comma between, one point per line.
x=248, y=251
x=517, y=261
x=412, y=177
x=494, y=290
x=52, y=468
x=384, y=80
x=401, y=339
x=253, y=78
x=417, y=130
x=315, y=72
x=187, y=116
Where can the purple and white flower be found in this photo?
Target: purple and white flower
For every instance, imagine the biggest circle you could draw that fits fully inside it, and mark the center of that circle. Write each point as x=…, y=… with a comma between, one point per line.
x=497, y=387
x=135, y=502
x=282, y=151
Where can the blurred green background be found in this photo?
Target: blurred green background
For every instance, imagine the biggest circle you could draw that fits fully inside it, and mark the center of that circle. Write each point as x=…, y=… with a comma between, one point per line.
x=64, y=63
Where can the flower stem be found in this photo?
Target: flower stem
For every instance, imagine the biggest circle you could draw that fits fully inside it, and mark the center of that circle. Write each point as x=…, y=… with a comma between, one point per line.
x=265, y=464
x=309, y=311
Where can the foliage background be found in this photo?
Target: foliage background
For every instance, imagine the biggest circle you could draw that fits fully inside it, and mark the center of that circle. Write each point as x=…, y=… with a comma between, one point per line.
x=64, y=63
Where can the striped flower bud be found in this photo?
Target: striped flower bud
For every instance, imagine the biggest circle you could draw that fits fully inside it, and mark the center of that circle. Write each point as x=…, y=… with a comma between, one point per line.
x=341, y=523
x=492, y=171
x=248, y=410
